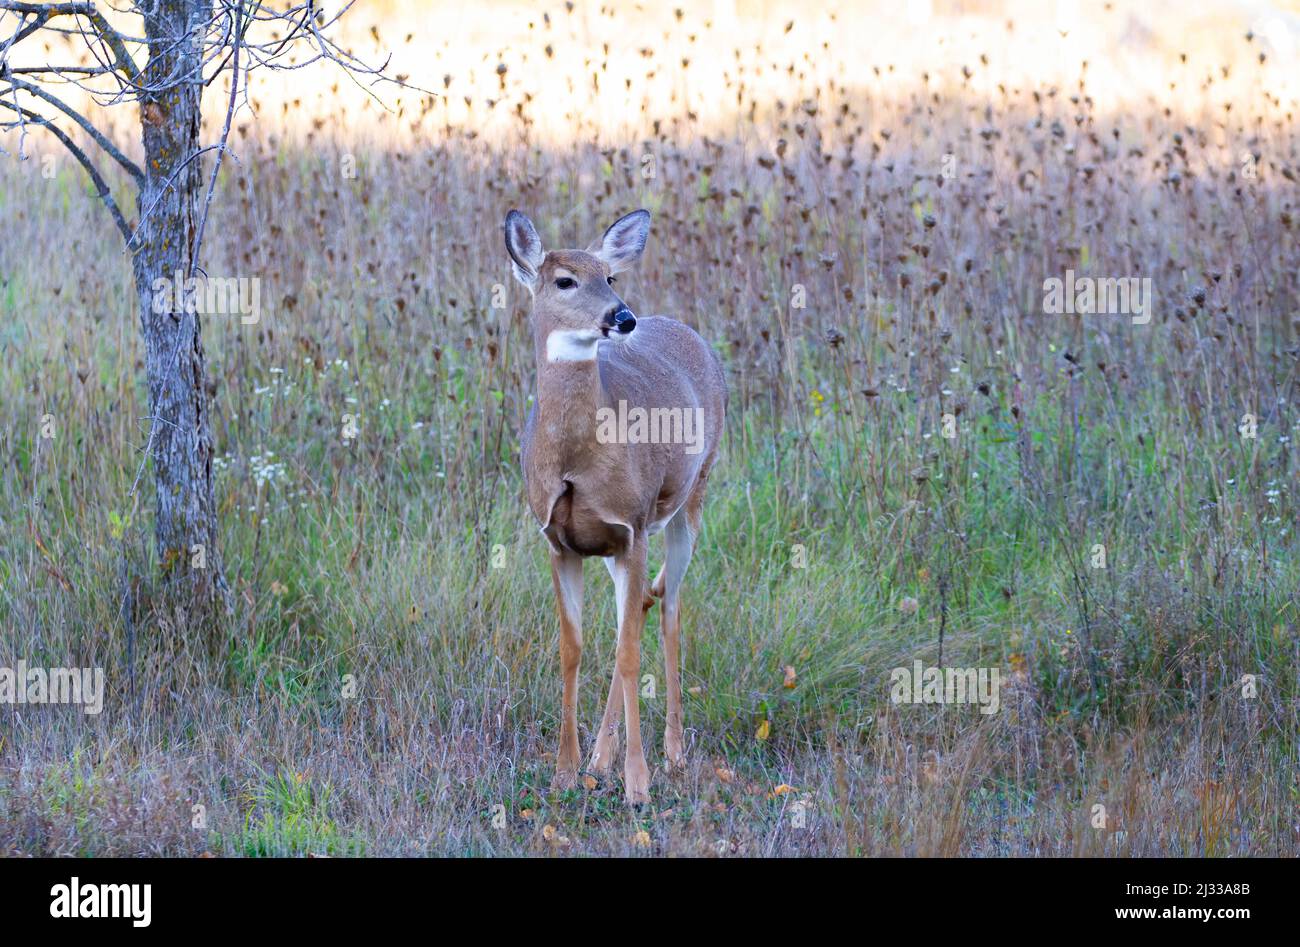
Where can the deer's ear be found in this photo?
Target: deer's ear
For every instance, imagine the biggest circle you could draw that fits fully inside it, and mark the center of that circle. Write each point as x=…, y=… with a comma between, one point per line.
x=525, y=248
x=624, y=241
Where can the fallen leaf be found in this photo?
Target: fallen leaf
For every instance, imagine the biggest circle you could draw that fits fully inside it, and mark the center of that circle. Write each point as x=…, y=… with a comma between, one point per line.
x=789, y=677
x=641, y=839
x=764, y=730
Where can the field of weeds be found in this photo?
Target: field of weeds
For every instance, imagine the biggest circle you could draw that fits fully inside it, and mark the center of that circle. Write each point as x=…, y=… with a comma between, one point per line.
x=923, y=461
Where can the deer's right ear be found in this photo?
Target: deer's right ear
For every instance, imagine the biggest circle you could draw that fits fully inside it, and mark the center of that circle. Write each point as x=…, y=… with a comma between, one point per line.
x=525, y=248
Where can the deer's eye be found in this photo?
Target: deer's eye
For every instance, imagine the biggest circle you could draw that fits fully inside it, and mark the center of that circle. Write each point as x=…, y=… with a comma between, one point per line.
x=565, y=282
x=609, y=280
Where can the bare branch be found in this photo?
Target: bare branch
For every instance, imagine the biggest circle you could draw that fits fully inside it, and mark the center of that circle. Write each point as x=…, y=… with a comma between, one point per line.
x=46, y=10
x=101, y=187
x=23, y=31
x=225, y=134
x=57, y=70
x=131, y=167
x=83, y=8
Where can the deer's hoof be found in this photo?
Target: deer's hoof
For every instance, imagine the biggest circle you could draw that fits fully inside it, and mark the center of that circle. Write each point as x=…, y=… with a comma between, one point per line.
x=674, y=755
x=603, y=755
x=636, y=783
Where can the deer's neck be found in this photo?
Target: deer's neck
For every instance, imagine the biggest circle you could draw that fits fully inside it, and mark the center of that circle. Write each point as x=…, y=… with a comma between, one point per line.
x=568, y=396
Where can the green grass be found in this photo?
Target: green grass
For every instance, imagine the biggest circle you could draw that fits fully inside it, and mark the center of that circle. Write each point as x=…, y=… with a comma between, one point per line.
x=289, y=817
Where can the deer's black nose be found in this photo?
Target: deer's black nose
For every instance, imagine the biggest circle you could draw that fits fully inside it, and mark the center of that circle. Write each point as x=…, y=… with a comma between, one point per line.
x=621, y=319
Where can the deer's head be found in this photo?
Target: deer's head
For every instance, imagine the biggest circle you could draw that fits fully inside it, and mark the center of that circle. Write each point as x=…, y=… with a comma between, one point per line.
x=574, y=303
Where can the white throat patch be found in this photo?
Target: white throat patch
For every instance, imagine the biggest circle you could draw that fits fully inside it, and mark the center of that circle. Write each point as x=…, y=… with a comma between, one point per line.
x=572, y=345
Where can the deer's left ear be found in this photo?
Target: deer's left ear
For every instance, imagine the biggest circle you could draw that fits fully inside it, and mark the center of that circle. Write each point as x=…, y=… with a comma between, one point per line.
x=623, y=242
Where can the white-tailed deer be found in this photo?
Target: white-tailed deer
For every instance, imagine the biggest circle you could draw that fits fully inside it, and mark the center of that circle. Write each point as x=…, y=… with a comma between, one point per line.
x=599, y=489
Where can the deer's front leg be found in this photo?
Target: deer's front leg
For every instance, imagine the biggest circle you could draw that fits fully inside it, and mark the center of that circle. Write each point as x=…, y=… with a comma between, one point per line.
x=630, y=579
x=566, y=573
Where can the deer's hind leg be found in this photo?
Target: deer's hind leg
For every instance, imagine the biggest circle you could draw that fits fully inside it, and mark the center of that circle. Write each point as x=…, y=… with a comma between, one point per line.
x=680, y=536
x=680, y=545
x=606, y=748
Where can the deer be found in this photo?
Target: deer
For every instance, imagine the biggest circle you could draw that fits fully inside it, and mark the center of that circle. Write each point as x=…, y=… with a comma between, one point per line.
x=605, y=496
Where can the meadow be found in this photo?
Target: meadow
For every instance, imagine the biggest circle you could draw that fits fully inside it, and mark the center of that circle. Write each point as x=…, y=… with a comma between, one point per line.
x=921, y=462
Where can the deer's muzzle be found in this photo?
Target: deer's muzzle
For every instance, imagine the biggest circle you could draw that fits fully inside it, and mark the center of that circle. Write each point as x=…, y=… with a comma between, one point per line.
x=620, y=319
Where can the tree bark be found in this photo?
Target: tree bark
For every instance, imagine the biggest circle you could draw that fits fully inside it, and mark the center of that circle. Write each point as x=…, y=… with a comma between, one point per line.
x=180, y=440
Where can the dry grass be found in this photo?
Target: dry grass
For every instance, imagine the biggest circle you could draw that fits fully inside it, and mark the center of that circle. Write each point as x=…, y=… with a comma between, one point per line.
x=787, y=166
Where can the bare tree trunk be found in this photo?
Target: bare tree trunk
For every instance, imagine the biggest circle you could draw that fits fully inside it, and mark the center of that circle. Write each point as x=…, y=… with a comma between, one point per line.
x=180, y=430
x=182, y=37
